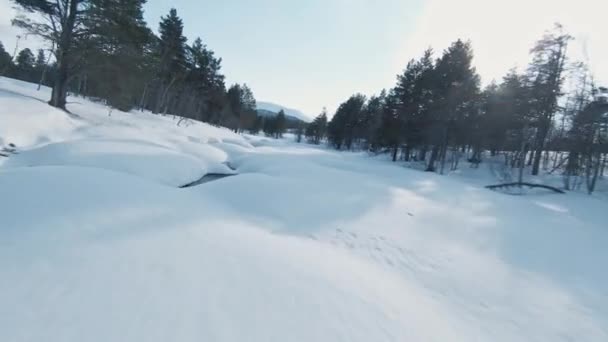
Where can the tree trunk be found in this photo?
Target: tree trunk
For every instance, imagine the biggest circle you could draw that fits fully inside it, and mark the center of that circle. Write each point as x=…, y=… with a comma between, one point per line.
x=444, y=151
x=432, y=159
x=593, y=168
x=545, y=160
x=395, y=149
x=60, y=87
x=142, y=101
x=422, y=154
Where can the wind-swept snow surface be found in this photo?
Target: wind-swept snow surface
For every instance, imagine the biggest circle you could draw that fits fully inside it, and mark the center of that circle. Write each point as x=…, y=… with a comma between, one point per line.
x=97, y=242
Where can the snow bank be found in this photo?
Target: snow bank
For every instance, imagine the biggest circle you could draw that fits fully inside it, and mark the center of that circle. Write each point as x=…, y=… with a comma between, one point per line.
x=27, y=125
x=133, y=157
x=155, y=147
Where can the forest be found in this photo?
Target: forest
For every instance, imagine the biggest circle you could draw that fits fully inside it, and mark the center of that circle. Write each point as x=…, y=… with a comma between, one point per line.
x=548, y=117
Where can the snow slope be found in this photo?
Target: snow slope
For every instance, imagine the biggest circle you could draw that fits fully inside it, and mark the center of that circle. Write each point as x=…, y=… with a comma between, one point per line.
x=98, y=244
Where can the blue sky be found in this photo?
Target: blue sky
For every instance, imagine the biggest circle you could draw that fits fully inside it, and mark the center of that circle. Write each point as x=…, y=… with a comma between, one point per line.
x=303, y=54
x=308, y=54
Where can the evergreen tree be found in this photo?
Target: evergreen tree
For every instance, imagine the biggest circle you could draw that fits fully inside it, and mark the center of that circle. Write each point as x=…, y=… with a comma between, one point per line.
x=414, y=91
x=6, y=61
x=172, y=60
x=455, y=95
x=389, y=132
x=315, y=131
x=60, y=23
x=280, y=124
x=40, y=60
x=41, y=68
x=546, y=74
x=115, y=52
x=24, y=65
x=242, y=107
x=341, y=130
x=371, y=121
x=270, y=126
x=205, y=83
x=299, y=132
x=257, y=125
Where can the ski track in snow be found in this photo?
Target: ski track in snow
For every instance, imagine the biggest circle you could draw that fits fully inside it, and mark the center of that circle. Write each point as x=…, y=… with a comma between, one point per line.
x=97, y=243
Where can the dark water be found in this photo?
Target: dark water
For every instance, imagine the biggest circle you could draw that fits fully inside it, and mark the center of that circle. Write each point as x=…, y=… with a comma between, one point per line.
x=210, y=177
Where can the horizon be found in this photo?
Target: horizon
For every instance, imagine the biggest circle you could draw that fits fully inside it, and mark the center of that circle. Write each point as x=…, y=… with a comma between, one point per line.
x=360, y=47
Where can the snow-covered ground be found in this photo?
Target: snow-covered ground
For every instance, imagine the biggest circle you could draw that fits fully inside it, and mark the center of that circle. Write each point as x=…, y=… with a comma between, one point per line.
x=99, y=243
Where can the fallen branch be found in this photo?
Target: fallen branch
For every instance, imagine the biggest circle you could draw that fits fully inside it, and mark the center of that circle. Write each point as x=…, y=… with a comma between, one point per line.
x=531, y=185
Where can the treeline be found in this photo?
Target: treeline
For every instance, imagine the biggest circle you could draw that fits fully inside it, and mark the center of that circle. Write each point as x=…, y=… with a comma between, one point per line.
x=437, y=113
x=26, y=66
x=104, y=49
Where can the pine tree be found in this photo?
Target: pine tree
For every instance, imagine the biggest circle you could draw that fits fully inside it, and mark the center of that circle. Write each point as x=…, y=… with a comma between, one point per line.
x=455, y=94
x=280, y=125
x=257, y=125
x=25, y=63
x=205, y=83
x=342, y=129
x=371, y=121
x=60, y=23
x=172, y=59
x=40, y=59
x=546, y=74
x=299, y=132
x=6, y=61
x=115, y=51
x=413, y=95
x=389, y=132
x=315, y=131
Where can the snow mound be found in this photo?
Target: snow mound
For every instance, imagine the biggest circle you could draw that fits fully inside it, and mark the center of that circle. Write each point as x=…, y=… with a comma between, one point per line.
x=164, y=149
x=133, y=157
x=25, y=125
x=90, y=262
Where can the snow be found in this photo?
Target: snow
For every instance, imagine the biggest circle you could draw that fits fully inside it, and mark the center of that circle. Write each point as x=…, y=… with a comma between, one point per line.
x=98, y=243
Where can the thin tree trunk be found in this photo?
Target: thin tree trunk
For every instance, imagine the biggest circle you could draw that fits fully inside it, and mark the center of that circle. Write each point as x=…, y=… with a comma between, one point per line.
x=432, y=159
x=522, y=162
x=603, y=168
x=142, y=100
x=422, y=155
x=407, y=152
x=444, y=151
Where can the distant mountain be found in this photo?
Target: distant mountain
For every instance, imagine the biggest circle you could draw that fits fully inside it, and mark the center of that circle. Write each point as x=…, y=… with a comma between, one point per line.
x=266, y=108
x=267, y=113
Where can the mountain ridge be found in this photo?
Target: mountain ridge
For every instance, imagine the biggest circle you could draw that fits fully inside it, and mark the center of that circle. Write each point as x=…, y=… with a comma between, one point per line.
x=275, y=108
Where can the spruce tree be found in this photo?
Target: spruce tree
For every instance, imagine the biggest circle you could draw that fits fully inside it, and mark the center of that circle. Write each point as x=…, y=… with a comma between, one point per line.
x=172, y=59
